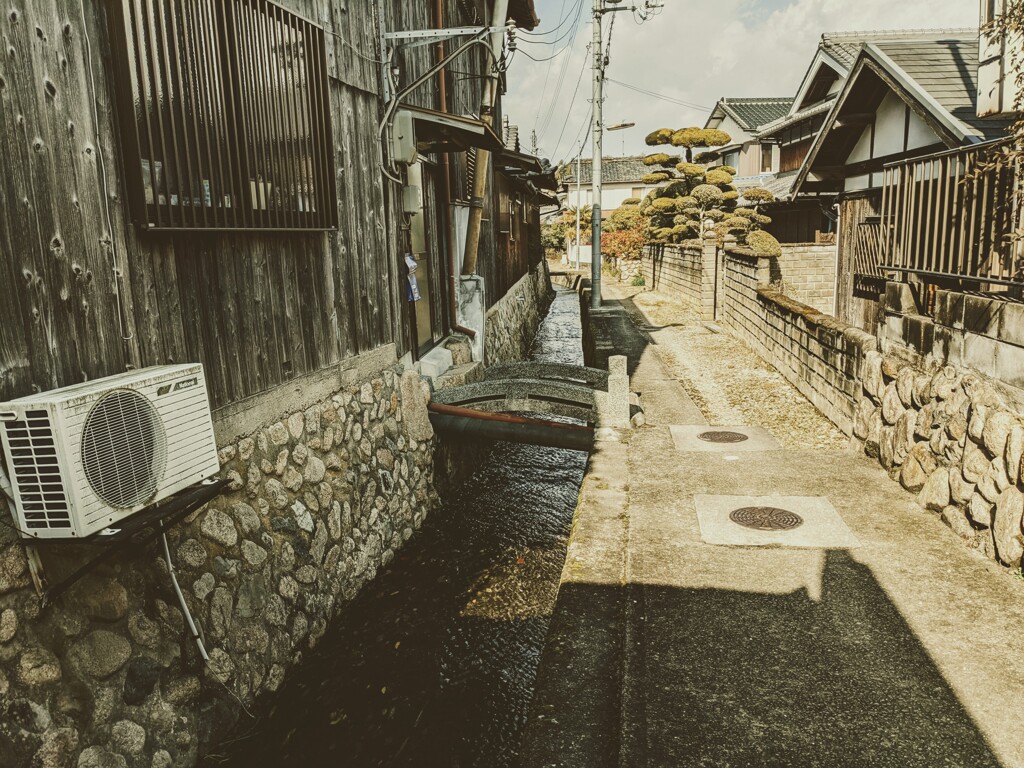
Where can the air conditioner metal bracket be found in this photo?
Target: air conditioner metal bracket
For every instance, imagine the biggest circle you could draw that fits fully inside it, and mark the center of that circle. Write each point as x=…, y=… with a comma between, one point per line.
x=134, y=532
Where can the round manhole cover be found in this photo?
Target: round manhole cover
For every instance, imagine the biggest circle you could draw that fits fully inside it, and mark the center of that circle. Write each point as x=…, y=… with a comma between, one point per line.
x=766, y=518
x=722, y=437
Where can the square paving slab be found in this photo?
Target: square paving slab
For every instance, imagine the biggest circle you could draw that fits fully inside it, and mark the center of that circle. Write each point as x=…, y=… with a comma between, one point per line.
x=772, y=521
x=700, y=437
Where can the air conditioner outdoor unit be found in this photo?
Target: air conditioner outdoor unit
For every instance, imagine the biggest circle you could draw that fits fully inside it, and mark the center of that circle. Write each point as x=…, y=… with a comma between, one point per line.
x=83, y=458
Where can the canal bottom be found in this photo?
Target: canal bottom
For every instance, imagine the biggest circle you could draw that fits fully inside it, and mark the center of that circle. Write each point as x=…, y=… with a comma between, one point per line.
x=434, y=663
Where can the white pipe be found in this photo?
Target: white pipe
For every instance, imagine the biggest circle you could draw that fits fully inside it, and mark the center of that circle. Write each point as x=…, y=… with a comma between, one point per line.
x=181, y=600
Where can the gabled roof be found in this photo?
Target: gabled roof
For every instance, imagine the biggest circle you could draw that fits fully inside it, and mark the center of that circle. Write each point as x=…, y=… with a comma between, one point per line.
x=751, y=113
x=837, y=52
x=936, y=78
x=613, y=169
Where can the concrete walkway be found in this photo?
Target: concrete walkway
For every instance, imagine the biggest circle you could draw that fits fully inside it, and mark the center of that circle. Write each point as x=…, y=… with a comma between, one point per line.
x=907, y=650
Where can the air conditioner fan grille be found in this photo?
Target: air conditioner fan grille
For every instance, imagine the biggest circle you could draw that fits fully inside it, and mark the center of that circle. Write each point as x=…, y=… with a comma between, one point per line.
x=124, y=449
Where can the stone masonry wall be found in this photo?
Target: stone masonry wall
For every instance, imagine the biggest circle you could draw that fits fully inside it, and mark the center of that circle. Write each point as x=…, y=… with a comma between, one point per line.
x=108, y=674
x=819, y=355
x=807, y=272
x=675, y=270
x=512, y=322
x=950, y=436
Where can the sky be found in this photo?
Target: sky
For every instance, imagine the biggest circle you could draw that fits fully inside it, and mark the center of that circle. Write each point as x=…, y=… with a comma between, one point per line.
x=694, y=52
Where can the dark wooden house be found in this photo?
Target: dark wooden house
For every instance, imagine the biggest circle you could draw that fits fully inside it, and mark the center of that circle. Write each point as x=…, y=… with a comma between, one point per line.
x=203, y=181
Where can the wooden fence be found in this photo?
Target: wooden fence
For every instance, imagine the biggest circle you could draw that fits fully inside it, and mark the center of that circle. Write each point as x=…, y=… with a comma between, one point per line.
x=951, y=215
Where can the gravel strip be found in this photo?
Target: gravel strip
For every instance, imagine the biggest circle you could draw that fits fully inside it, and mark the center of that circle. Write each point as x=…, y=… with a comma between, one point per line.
x=727, y=380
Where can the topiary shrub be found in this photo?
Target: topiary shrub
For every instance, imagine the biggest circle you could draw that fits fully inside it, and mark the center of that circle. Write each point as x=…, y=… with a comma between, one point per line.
x=631, y=201
x=758, y=196
x=718, y=177
x=727, y=168
x=763, y=244
x=658, y=158
x=707, y=195
x=730, y=196
x=655, y=178
x=660, y=136
x=707, y=157
x=664, y=204
x=690, y=170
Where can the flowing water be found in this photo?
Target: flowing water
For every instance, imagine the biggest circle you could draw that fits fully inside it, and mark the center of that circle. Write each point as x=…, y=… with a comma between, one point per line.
x=434, y=663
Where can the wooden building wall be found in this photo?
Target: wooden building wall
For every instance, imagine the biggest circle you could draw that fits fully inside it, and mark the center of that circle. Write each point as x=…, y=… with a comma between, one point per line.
x=255, y=308
x=84, y=293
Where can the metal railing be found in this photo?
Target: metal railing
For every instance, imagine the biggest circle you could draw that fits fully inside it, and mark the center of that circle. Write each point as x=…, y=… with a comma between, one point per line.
x=952, y=214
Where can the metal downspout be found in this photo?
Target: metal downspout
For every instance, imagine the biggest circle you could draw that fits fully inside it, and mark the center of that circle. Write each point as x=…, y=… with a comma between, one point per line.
x=453, y=288
x=483, y=156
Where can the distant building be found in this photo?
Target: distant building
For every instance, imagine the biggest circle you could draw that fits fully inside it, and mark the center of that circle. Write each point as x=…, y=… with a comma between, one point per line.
x=621, y=179
x=742, y=118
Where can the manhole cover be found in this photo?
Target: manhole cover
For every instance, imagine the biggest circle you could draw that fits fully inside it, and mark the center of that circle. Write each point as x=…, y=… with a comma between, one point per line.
x=766, y=518
x=722, y=437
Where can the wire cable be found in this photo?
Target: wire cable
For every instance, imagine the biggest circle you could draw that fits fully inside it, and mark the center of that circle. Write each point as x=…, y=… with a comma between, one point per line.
x=660, y=96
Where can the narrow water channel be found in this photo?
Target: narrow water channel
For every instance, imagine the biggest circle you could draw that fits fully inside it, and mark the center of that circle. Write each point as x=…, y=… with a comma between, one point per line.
x=434, y=663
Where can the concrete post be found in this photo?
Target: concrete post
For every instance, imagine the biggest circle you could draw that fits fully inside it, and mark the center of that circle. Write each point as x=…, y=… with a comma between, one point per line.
x=613, y=405
x=709, y=275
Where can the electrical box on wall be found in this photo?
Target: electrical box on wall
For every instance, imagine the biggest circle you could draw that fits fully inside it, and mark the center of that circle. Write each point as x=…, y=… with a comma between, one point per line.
x=412, y=199
x=403, y=138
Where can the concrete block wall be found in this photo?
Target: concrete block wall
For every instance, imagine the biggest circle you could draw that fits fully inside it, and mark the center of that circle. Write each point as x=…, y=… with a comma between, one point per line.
x=686, y=271
x=819, y=355
x=675, y=270
x=807, y=272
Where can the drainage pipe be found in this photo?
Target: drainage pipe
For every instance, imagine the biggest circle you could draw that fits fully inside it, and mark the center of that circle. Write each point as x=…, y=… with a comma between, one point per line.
x=469, y=423
x=453, y=285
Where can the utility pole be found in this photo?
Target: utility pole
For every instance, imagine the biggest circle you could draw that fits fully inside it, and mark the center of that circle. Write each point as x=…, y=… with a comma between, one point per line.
x=597, y=50
x=579, y=203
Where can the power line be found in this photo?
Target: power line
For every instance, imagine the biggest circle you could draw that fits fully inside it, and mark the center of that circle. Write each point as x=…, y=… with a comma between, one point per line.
x=545, y=121
x=654, y=95
x=571, y=15
x=568, y=107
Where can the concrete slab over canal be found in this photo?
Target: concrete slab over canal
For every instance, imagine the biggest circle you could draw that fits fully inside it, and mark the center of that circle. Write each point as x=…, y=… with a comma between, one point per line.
x=666, y=650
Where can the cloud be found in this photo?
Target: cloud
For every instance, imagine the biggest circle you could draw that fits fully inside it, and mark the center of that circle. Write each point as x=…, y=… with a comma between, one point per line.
x=695, y=51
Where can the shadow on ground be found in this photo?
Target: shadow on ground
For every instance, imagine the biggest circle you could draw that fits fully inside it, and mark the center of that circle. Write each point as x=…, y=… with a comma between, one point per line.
x=653, y=675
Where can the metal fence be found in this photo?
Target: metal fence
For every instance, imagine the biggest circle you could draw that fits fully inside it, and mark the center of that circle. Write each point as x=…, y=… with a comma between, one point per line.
x=952, y=215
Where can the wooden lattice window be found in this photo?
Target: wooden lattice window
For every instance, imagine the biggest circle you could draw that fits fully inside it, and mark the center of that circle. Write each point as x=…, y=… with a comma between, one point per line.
x=224, y=107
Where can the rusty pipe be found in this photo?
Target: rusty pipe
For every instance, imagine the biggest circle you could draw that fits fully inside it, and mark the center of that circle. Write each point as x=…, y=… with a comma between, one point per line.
x=469, y=423
x=453, y=285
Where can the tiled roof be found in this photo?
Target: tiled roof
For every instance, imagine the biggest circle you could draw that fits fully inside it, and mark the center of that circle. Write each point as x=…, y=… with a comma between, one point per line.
x=781, y=186
x=613, y=169
x=844, y=47
x=947, y=71
x=751, y=113
x=796, y=117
